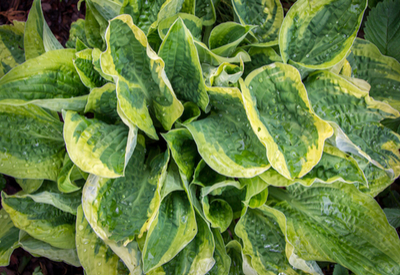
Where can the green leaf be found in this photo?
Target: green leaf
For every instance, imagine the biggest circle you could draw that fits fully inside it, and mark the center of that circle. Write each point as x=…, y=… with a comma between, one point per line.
x=226, y=75
x=143, y=13
x=2, y=182
x=382, y=28
x=260, y=57
x=319, y=34
x=36, y=247
x=222, y=260
x=280, y=114
x=97, y=147
x=70, y=178
x=53, y=83
x=225, y=37
x=326, y=222
x=267, y=15
x=48, y=193
x=256, y=192
x=173, y=227
x=381, y=72
x=377, y=178
x=355, y=117
x=197, y=257
x=240, y=264
x=140, y=77
x=95, y=26
x=207, y=56
x=31, y=144
x=340, y=270
x=11, y=46
x=84, y=66
x=94, y=255
x=205, y=10
x=224, y=139
x=182, y=65
x=103, y=103
x=38, y=37
x=8, y=238
x=217, y=210
x=77, y=32
x=193, y=23
x=120, y=209
x=264, y=242
x=41, y=220
x=108, y=9
x=333, y=166
x=191, y=113
x=393, y=216
x=29, y=185
x=183, y=150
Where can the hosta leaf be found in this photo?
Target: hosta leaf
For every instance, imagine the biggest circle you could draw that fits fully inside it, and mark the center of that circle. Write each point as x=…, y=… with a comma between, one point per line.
x=224, y=139
x=11, y=46
x=193, y=23
x=225, y=75
x=207, y=56
x=29, y=185
x=256, y=191
x=8, y=238
x=173, y=227
x=280, y=114
x=96, y=53
x=196, y=258
x=31, y=142
x=225, y=37
x=94, y=255
x=97, y=147
x=84, y=66
x=183, y=150
x=333, y=166
x=102, y=102
x=70, y=178
x=222, y=260
x=340, y=270
x=191, y=113
x=77, y=32
x=264, y=242
x=382, y=28
x=48, y=193
x=378, y=179
x=108, y=9
x=41, y=220
x=240, y=263
x=36, y=247
x=53, y=78
x=318, y=34
x=393, y=216
x=327, y=222
x=182, y=65
x=336, y=100
x=267, y=15
x=260, y=57
x=117, y=214
x=143, y=13
x=205, y=10
x=38, y=37
x=95, y=26
x=381, y=72
x=218, y=211
x=140, y=75
x=2, y=182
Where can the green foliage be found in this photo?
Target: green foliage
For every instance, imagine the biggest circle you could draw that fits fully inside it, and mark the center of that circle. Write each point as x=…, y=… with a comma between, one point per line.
x=173, y=137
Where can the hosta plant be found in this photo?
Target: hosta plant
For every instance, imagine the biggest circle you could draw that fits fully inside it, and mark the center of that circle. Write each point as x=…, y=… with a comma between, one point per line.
x=166, y=139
